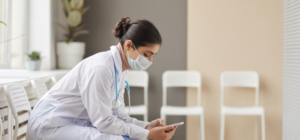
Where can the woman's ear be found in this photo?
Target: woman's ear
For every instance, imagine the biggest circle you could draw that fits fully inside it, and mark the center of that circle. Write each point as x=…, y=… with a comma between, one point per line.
x=128, y=44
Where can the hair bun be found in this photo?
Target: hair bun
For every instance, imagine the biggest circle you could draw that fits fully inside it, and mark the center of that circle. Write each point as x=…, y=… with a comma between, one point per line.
x=122, y=27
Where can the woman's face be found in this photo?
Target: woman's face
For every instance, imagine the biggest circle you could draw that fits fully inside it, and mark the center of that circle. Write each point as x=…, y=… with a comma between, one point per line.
x=147, y=51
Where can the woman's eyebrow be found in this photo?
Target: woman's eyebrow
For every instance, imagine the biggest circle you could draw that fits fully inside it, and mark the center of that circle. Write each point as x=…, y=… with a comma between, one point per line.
x=151, y=52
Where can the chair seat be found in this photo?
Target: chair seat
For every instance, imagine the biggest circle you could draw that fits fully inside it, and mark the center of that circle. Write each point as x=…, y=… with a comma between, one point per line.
x=254, y=110
x=181, y=110
x=137, y=110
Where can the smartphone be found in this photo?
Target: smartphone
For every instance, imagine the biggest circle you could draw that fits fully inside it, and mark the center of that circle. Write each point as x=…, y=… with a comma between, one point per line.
x=177, y=124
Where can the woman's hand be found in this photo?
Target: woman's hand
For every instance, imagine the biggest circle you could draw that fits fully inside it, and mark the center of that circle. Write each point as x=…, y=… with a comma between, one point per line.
x=155, y=123
x=162, y=133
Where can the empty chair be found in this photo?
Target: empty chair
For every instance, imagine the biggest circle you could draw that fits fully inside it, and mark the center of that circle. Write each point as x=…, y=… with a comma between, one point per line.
x=183, y=79
x=18, y=101
x=139, y=79
x=5, y=121
x=56, y=78
x=48, y=82
x=1, y=129
x=31, y=95
x=248, y=79
x=39, y=87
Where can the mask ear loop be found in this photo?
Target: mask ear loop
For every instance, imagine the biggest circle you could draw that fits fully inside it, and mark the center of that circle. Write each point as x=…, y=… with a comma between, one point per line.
x=135, y=49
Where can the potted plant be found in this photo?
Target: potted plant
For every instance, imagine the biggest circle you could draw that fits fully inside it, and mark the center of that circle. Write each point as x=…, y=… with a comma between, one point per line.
x=34, y=61
x=70, y=52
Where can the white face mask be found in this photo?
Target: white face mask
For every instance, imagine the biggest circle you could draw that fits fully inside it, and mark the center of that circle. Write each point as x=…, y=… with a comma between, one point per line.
x=141, y=63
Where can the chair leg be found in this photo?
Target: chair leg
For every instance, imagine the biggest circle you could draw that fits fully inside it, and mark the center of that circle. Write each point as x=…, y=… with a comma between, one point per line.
x=163, y=116
x=222, y=127
x=202, y=127
x=263, y=128
x=256, y=128
x=146, y=117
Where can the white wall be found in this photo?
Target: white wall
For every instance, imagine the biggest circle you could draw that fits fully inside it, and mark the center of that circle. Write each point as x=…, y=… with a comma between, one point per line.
x=18, y=33
x=40, y=32
x=236, y=35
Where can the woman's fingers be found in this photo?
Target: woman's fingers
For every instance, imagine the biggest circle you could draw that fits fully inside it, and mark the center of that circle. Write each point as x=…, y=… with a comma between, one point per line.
x=169, y=128
x=162, y=133
x=160, y=122
x=171, y=132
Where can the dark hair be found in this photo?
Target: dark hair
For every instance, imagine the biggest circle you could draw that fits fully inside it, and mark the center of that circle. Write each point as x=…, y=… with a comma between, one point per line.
x=140, y=32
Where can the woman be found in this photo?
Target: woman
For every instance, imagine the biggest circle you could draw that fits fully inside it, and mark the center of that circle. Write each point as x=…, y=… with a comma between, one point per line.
x=88, y=104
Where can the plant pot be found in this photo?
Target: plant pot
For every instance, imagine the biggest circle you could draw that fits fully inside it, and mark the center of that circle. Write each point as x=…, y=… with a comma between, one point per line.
x=69, y=55
x=33, y=65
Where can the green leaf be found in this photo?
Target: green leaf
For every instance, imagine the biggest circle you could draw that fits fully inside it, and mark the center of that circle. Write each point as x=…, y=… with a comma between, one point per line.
x=80, y=32
x=76, y=4
x=78, y=27
x=3, y=23
x=85, y=9
x=62, y=26
x=34, y=55
x=74, y=18
x=66, y=6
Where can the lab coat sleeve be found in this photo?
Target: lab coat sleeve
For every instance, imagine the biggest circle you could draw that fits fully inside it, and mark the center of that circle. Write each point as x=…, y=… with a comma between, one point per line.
x=123, y=112
x=95, y=88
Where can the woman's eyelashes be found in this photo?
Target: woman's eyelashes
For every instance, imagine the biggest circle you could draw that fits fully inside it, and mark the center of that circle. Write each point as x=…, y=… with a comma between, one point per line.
x=146, y=55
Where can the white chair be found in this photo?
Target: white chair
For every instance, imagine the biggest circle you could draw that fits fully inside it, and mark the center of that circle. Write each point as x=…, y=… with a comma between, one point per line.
x=183, y=79
x=39, y=87
x=139, y=79
x=18, y=101
x=248, y=79
x=5, y=120
x=56, y=78
x=1, y=129
x=48, y=82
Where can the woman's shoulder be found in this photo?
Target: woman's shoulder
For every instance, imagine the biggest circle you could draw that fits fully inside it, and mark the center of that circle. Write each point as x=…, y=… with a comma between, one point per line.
x=100, y=62
x=101, y=58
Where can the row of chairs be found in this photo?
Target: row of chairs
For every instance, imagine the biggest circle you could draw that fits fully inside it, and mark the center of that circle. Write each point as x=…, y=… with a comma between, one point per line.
x=20, y=107
x=248, y=79
x=18, y=100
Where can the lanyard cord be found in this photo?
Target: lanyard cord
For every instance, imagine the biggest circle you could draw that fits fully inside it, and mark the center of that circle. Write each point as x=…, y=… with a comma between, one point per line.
x=128, y=91
x=116, y=82
x=116, y=78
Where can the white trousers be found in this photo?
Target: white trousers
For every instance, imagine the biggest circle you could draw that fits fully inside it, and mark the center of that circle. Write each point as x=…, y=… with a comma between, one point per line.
x=40, y=126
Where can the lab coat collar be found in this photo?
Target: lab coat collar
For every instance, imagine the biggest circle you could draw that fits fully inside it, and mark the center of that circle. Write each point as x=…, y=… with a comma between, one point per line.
x=117, y=58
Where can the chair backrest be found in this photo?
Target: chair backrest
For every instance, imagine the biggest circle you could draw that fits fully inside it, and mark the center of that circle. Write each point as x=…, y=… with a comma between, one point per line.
x=39, y=87
x=56, y=78
x=181, y=78
x=139, y=79
x=1, y=129
x=30, y=91
x=5, y=120
x=18, y=101
x=248, y=79
x=48, y=82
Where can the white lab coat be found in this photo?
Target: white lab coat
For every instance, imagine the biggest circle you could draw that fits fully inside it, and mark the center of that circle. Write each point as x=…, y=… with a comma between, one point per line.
x=80, y=104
